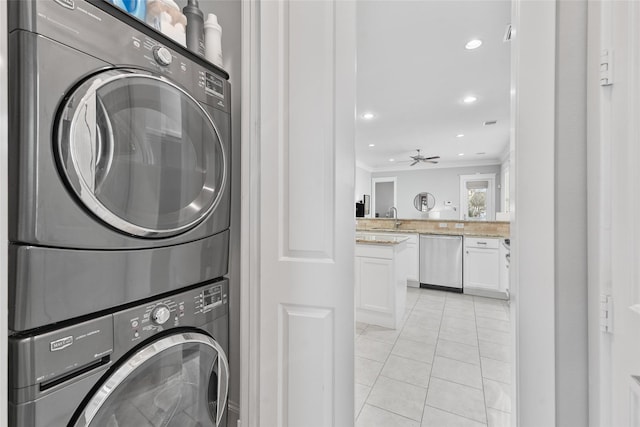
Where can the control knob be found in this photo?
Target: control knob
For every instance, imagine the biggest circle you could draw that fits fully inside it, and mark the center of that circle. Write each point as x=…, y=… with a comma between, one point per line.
x=160, y=314
x=162, y=55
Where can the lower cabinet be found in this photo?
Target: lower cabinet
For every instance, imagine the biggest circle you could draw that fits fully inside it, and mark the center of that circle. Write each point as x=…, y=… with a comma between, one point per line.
x=481, y=267
x=381, y=284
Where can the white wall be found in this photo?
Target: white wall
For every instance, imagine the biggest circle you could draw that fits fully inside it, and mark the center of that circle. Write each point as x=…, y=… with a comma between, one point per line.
x=363, y=184
x=504, y=186
x=443, y=183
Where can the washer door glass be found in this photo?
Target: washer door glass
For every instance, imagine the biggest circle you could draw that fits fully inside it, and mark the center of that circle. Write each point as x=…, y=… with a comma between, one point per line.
x=141, y=153
x=177, y=381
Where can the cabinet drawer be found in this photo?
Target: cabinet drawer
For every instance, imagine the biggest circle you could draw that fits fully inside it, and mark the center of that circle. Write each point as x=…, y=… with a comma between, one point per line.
x=481, y=242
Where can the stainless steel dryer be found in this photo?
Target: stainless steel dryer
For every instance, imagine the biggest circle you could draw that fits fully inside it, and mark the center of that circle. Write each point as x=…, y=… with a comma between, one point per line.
x=162, y=363
x=120, y=145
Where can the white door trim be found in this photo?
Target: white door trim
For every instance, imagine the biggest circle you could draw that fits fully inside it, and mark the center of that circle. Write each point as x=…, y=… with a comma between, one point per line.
x=250, y=214
x=533, y=229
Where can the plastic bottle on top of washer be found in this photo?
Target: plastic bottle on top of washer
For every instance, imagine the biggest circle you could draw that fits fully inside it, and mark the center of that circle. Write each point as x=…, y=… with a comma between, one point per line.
x=195, y=23
x=213, y=40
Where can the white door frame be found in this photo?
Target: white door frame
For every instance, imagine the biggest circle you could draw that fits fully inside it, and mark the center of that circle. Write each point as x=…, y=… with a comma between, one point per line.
x=376, y=180
x=533, y=282
x=250, y=229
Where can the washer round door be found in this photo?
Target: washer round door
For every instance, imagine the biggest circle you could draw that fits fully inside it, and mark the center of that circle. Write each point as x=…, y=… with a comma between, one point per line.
x=177, y=381
x=140, y=153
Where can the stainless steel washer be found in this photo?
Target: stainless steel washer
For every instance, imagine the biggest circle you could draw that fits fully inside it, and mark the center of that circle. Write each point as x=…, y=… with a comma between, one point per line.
x=161, y=363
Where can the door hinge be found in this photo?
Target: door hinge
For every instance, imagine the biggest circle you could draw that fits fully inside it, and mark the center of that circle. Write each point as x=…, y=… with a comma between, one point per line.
x=606, y=313
x=606, y=67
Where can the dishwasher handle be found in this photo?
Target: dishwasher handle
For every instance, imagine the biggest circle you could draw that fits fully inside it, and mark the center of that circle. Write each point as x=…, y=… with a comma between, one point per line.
x=440, y=236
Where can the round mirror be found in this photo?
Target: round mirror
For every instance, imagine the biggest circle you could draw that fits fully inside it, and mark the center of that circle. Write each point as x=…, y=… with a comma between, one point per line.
x=424, y=202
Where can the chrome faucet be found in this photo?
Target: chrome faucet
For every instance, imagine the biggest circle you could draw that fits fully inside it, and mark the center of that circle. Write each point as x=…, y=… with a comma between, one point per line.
x=394, y=211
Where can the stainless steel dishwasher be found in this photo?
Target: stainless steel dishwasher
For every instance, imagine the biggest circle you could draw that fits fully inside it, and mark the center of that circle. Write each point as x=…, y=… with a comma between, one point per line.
x=441, y=262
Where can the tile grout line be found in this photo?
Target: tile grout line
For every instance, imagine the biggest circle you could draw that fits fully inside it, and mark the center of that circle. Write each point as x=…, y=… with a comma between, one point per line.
x=457, y=415
x=435, y=350
x=356, y=416
x=484, y=395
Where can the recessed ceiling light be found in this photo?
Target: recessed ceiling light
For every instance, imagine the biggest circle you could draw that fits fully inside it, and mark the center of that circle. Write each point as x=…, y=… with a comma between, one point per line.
x=460, y=154
x=460, y=135
x=368, y=116
x=473, y=44
x=392, y=160
x=372, y=145
x=469, y=99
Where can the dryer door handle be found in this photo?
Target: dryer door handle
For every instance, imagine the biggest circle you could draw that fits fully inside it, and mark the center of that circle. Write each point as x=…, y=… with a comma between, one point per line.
x=92, y=134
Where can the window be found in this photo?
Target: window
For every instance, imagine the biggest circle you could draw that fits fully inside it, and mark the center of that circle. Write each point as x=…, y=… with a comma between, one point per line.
x=477, y=200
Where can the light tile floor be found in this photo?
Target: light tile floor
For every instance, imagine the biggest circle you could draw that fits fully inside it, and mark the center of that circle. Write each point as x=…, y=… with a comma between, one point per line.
x=449, y=365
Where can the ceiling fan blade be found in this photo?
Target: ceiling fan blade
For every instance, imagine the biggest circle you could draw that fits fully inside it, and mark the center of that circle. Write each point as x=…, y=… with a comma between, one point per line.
x=414, y=162
x=433, y=161
x=432, y=158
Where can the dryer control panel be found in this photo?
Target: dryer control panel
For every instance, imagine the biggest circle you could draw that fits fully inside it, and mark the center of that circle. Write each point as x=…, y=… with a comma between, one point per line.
x=192, y=308
x=102, y=30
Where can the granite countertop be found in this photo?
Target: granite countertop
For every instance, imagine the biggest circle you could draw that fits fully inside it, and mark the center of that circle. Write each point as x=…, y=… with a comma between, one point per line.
x=380, y=240
x=447, y=232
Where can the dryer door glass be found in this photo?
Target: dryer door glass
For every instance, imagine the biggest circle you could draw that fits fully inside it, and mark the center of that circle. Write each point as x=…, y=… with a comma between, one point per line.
x=141, y=153
x=177, y=381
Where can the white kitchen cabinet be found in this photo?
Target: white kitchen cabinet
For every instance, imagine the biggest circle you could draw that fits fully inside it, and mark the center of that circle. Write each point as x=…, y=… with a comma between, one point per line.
x=381, y=286
x=481, y=267
x=412, y=255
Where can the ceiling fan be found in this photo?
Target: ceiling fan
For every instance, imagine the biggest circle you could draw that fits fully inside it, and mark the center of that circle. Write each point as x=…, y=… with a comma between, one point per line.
x=418, y=158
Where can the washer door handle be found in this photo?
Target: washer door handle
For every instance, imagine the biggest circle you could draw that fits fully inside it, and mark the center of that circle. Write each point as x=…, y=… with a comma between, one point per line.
x=219, y=387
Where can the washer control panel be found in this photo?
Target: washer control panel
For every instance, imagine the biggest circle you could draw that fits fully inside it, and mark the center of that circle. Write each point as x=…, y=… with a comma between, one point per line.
x=192, y=308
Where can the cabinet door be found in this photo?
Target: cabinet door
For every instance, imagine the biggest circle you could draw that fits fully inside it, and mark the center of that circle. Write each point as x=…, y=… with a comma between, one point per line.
x=481, y=268
x=375, y=279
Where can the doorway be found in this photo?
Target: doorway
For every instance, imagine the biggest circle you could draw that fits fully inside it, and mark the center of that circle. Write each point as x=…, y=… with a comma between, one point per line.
x=535, y=101
x=384, y=196
x=449, y=344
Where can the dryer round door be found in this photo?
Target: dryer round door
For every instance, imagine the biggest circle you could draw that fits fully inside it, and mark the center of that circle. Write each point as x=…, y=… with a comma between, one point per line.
x=141, y=153
x=180, y=380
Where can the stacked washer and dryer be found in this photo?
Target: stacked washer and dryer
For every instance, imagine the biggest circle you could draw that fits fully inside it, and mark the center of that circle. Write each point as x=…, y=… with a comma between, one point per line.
x=119, y=222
